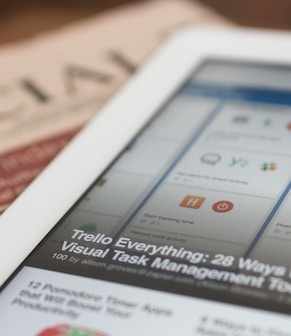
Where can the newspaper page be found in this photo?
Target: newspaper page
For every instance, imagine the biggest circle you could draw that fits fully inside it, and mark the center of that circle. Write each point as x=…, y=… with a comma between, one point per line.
x=52, y=84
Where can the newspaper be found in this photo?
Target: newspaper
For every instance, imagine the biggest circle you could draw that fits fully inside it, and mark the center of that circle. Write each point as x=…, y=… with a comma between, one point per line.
x=52, y=84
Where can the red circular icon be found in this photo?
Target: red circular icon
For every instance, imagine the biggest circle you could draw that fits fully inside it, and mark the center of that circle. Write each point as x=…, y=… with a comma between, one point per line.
x=222, y=206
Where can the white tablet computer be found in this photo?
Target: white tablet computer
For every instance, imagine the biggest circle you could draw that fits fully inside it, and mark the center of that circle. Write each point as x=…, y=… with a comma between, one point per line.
x=171, y=212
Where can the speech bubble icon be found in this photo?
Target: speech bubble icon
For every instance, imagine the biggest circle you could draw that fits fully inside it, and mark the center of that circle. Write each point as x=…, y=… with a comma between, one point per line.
x=210, y=158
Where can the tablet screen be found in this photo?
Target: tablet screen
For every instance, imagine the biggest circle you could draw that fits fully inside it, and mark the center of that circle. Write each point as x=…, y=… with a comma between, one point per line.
x=189, y=229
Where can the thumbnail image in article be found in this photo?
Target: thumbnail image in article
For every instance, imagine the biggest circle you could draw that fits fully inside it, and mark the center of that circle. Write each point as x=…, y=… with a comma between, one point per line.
x=201, y=210
x=165, y=262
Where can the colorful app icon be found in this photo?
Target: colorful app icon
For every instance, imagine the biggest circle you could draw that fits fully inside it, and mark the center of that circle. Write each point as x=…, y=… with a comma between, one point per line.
x=268, y=166
x=222, y=206
x=192, y=202
x=65, y=330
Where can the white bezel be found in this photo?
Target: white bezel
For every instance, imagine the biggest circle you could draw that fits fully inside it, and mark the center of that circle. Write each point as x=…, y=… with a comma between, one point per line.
x=48, y=198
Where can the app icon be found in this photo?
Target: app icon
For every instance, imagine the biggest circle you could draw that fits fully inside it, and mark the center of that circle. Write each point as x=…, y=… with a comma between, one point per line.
x=237, y=161
x=192, y=202
x=222, y=206
x=210, y=158
x=268, y=166
x=66, y=329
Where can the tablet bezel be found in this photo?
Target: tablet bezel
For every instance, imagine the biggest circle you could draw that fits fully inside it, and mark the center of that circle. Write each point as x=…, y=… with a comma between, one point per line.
x=58, y=187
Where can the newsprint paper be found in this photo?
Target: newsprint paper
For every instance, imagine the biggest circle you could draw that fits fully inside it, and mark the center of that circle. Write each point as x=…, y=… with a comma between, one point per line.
x=52, y=84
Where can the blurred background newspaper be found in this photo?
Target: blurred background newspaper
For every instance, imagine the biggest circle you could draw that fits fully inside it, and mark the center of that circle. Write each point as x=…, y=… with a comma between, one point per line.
x=52, y=84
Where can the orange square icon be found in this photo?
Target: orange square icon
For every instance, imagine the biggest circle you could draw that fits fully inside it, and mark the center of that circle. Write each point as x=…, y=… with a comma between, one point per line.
x=191, y=201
